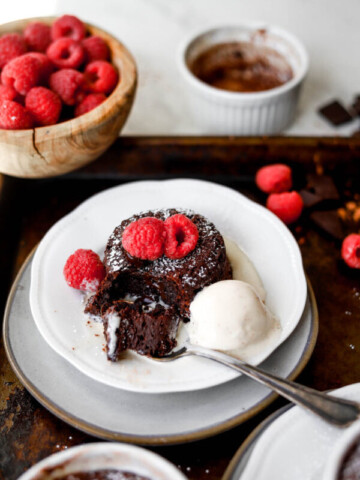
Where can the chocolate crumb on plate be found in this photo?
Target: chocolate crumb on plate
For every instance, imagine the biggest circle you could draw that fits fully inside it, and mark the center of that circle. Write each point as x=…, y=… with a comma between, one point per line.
x=335, y=113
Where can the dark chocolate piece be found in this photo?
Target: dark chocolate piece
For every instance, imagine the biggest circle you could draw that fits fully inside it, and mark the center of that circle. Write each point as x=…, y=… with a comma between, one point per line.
x=335, y=113
x=356, y=106
x=310, y=199
x=322, y=186
x=329, y=222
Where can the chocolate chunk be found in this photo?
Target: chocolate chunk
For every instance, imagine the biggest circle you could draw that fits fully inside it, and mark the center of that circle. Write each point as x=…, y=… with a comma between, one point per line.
x=323, y=186
x=335, y=113
x=310, y=199
x=329, y=222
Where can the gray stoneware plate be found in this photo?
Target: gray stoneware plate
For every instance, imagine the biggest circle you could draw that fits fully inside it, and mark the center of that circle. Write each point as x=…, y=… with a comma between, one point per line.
x=148, y=419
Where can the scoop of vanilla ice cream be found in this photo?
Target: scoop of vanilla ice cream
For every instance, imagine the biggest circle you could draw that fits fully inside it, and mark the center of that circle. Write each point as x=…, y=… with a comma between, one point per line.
x=229, y=315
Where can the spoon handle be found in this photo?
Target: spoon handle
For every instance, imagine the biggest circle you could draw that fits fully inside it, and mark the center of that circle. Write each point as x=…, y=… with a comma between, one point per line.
x=335, y=410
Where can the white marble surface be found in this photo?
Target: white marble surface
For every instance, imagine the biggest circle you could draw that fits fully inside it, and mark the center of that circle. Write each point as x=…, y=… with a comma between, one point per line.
x=153, y=30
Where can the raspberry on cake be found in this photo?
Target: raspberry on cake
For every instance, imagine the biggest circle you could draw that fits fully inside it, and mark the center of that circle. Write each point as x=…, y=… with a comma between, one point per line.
x=145, y=238
x=181, y=236
x=142, y=301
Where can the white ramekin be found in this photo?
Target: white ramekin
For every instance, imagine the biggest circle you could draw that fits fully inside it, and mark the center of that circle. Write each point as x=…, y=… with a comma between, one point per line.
x=103, y=455
x=223, y=112
x=339, y=451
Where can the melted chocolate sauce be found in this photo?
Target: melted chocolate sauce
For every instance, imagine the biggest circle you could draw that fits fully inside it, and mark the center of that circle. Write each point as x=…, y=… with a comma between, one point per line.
x=241, y=67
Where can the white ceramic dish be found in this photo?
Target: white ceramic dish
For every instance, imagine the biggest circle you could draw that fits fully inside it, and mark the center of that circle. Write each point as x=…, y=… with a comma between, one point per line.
x=101, y=456
x=235, y=113
x=290, y=445
x=116, y=414
x=57, y=309
x=338, y=453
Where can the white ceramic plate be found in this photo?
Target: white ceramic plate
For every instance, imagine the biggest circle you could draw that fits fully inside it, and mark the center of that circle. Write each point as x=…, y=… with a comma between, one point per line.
x=101, y=456
x=121, y=415
x=57, y=309
x=290, y=445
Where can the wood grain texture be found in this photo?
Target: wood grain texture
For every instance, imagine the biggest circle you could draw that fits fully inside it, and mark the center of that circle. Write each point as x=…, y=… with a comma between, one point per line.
x=58, y=149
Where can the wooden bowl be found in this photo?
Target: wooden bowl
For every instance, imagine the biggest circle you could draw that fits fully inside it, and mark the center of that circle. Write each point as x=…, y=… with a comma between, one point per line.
x=61, y=148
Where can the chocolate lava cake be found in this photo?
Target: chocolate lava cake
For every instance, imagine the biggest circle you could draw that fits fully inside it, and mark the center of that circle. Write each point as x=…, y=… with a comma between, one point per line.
x=141, y=302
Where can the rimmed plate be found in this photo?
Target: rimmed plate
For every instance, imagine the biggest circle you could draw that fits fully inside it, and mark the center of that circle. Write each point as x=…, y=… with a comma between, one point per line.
x=116, y=414
x=58, y=310
x=291, y=444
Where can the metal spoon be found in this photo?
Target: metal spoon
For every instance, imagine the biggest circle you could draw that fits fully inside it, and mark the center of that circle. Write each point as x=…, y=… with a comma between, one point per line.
x=337, y=411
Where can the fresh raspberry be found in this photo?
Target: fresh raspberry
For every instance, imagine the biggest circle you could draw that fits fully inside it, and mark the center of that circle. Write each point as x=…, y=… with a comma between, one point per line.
x=68, y=26
x=44, y=105
x=37, y=36
x=145, y=238
x=95, y=48
x=22, y=73
x=11, y=46
x=8, y=93
x=14, y=116
x=350, y=250
x=46, y=66
x=66, y=53
x=101, y=76
x=181, y=236
x=69, y=85
x=287, y=206
x=274, y=178
x=90, y=101
x=84, y=270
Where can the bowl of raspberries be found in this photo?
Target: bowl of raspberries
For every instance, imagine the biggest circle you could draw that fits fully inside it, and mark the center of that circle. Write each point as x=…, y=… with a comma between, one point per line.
x=66, y=89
